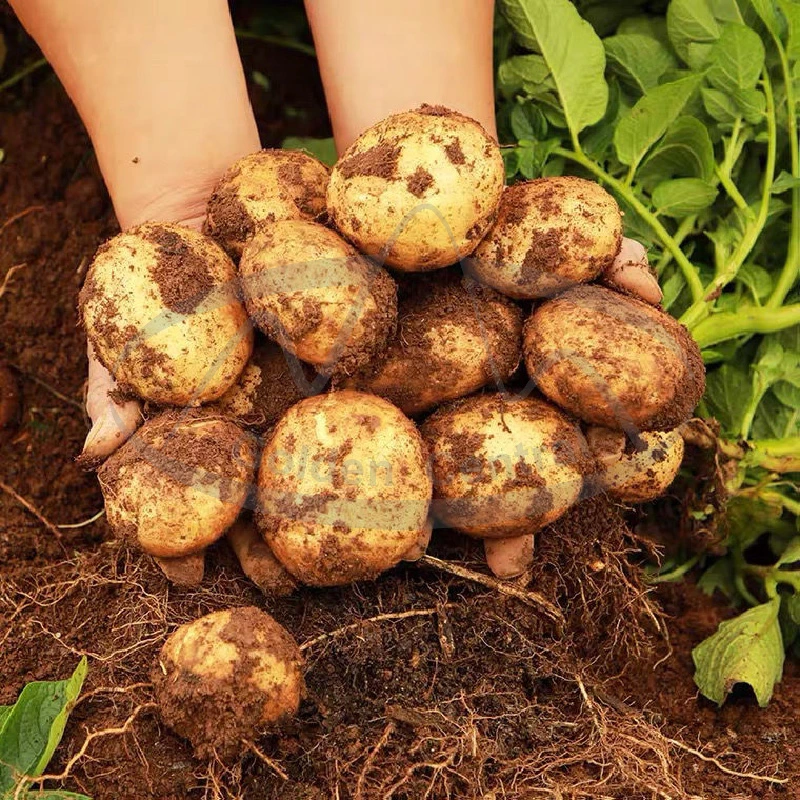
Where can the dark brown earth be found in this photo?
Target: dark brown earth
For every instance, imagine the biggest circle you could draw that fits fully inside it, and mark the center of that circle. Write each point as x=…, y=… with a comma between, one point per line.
x=469, y=695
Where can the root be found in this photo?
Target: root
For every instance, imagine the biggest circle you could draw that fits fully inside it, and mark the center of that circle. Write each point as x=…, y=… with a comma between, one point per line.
x=9, y=275
x=32, y=509
x=273, y=765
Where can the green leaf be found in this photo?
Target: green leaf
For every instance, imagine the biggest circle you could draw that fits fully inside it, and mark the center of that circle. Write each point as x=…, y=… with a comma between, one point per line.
x=784, y=182
x=690, y=21
x=685, y=151
x=529, y=74
x=649, y=119
x=736, y=59
x=726, y=11
x=774, y=419
x=528, y=122
x=727, y=390
x=719, y=577
x=747, y=649
x=791, y=554
x=555, y=29
x=751, y=104
x=322, y=149
x=756, y=279
x=683, y=196
x=4, y=712
x=793, y=607
x=791, y=11
x=646, y=25
x=768, y=14
x=719, y=105
x=34, y=727
x=533, y=156
x=639, y=60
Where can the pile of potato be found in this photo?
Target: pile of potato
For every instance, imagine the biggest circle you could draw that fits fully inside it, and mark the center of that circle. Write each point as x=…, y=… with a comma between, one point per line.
x=371, y=401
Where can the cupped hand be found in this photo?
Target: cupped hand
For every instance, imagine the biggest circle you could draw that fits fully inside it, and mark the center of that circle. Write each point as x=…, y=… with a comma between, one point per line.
x=630, y=272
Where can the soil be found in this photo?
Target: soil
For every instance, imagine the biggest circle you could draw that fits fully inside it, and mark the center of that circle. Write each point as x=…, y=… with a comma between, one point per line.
x=420, y=684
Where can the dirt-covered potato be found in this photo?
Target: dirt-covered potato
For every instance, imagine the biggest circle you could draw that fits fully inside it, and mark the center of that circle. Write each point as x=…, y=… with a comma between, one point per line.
x=453, y=337
x=418, y=190
x=504, y=467
x=184, y=571
x=270, y=384
x=639, y=470
x=160, y=306
x=262, y=188
x=550, y=234
x=310, y=291
x=179, y=482
x=343, y=488
x=613, y=360
x=258, y=561
x=226, y=678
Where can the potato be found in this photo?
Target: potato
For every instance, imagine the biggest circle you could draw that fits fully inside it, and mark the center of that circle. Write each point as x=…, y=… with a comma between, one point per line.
x=184, y=571
x=226, y=678
x=271, y=383
x=262, y=188
x=343, y=488
x=613, y=360
x=178, y=483
x=160, y=306
x=637, y=471
x=258, y=562
x=550, y=234
x=504, y=467
x=453, y=337
x=418, y=190
x=317, y=297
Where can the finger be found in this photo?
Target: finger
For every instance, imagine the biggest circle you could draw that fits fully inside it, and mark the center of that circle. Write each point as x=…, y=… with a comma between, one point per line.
x=507, y=558
x=630, y=272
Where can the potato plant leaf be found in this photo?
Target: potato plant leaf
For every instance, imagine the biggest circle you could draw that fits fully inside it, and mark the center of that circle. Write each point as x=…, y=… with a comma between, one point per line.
x=682, y=196
x=649, y=119
x=322, y=149
x=528, y=73
x=690, y=21
x=736, y=59
x=747, y=649
x=685, y=151
x=555, y=29
x=33, y=727
x=638, y=59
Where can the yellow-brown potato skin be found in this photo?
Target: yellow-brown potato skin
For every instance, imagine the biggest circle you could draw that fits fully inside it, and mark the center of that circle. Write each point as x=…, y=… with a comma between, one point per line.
x=343, y=488
x=613, y=360
x=311, y=292
x=550, y=234
x=417, y=190
x=178, y=483
x=228, y=677
x=160, y=306
x=262, y=188
x=504, y=467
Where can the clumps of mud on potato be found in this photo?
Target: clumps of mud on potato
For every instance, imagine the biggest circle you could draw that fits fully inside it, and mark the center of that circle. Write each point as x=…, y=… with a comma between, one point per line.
x=262, y=188
x=316, y=296
x=179, y=482
x=418, y=190
x=160, y=306
x=613, y=360
x=504, y=467
x=224, y=679
x=550, y=234
x=454, y=336
x=343, y=488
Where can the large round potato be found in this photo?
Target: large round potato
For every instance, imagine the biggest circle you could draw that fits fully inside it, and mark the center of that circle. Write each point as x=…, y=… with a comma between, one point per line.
x=613, y=360
x=317, y=297
x=271, y=383
x=453, y=337
x=160, y=306
x=225, y=678
x=262, y=188
x=343, y=488
x=550, y=234
x=504, y=467
x=418, y=190
x=179, y=482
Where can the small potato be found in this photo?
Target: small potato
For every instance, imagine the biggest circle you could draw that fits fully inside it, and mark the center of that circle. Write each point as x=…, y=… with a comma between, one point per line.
x=504, y=468
x=317, y=297
x=257, y=561
x=418, y=190
x=226, y=678
x=550, y=234
x=178, y=483
x=160, y=306
x=635, y=472
x=454, y=336
x=184, y=571
x=613, y=360
x=343, y=488
x=271, y=383
x=263, y=188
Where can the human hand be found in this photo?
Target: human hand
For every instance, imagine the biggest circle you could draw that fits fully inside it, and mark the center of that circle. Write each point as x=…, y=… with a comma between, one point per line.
x=630, y=272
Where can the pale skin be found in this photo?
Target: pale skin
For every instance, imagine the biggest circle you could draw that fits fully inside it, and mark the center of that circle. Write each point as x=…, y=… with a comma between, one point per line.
x=161, y=90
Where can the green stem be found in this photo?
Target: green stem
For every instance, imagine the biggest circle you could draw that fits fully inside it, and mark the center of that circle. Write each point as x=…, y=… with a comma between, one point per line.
x=752, y=407
x=791, y=266
x=685, y=227
x=727, y=325
x=724, y=170
x=23, y=73
x=700, y=309
x=674, y=574
x=733, y=191
x=690, y=274
x=278, y=41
